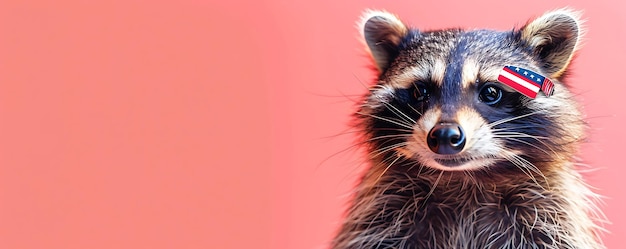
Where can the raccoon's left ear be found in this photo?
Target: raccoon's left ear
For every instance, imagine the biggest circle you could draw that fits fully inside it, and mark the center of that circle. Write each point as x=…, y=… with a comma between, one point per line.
x=554, y=37
x=382, y=32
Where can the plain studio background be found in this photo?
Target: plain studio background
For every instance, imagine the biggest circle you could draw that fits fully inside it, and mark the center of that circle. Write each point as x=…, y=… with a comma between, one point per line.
x=195, y=124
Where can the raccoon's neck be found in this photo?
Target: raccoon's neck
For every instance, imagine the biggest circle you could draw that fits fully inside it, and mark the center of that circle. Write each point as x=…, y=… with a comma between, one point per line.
x=455, y=209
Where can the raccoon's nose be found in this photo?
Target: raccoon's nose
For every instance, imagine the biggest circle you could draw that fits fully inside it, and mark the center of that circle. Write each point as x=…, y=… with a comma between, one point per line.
x=446, y=138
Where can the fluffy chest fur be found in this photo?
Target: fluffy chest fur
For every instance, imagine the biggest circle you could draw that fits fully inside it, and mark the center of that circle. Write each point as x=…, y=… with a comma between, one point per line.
x=422, y=208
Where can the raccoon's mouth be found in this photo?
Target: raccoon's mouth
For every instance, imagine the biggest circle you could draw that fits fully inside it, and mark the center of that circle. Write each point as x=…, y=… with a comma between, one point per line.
x=455, y=162
x=464, y=163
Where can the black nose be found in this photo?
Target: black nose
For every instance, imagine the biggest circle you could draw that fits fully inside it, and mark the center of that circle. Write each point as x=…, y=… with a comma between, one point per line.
x=446, y=138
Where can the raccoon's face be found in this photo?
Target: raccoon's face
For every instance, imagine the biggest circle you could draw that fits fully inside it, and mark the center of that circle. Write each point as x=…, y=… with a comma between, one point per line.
x=438, y=101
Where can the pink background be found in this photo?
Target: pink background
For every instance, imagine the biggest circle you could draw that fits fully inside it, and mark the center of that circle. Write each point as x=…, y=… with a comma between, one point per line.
x=195, y=124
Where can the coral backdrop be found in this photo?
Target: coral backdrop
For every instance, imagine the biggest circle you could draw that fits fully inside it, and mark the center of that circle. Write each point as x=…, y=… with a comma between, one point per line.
x=224, y=124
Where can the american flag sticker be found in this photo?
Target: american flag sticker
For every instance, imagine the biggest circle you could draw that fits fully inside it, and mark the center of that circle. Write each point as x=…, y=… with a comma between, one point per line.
x=526, y=81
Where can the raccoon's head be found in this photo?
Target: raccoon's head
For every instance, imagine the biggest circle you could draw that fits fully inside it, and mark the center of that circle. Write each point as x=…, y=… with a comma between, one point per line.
x=437, y=101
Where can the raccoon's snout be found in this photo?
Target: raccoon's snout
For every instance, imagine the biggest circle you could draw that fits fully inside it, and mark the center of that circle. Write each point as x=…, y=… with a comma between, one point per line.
x=446, y=138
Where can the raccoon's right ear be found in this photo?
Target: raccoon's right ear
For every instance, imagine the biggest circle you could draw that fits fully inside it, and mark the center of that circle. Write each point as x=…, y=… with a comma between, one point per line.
x=554, y=37
x=383, y=33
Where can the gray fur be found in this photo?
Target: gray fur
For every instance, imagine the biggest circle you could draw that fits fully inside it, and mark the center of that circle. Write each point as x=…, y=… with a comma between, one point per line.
x=533, y=199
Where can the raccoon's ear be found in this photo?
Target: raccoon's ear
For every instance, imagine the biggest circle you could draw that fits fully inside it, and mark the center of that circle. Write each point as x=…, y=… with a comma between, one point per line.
x=554, y=37
x=383, y=33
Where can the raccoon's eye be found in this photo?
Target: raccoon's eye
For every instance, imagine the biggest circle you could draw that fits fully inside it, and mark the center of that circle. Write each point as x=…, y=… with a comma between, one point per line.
x=421, y=92
x=490, y=94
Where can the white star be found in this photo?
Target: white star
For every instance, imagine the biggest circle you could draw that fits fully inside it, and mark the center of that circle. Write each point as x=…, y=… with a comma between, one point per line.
x=525, y=73
x=517, y=69
x=532, y=76
x=538, y=80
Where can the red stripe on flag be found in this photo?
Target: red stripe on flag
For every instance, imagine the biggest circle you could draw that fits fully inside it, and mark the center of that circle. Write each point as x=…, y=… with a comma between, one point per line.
x=513, y=72
x=547, y=87
x=518, y=87
x=550, y=90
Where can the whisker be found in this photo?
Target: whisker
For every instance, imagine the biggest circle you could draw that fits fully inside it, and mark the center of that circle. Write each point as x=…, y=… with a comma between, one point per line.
x=357, y=144
x=502, y=121
x=361, y=82
x=519, y=127
x=519, y=134
x=415, y=110
x=520, y=165
x=526, y=166
x=387, y=168
x=408, y=131
x=408, y=126
x=432, y=189
x=399, y=113
x=530, y=144
x=387, y=149
x=513, y=135
x=390, y=136
x=351, y=147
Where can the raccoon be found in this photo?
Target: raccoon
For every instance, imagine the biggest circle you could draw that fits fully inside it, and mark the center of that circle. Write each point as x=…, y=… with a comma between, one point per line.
x=460, y=160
